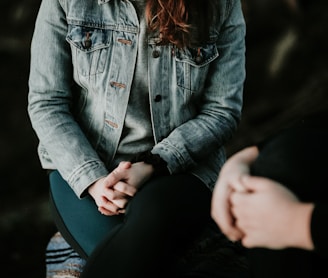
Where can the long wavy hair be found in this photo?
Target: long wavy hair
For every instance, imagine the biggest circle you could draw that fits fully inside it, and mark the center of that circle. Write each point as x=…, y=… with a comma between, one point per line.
x=181, y=22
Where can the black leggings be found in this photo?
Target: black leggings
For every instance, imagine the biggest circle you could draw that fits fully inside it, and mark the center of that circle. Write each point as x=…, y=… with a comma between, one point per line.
x=162, y=218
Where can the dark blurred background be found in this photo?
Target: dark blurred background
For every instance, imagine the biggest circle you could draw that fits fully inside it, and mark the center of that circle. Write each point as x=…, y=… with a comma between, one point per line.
x=287, y=77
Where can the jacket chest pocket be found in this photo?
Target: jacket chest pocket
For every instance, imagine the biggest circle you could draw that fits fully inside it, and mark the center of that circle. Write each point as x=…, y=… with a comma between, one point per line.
x=192, y=65
x=90, y=48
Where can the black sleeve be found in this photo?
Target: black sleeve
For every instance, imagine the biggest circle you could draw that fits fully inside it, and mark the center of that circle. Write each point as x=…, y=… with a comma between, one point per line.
x=297, y=157
x=319, y=228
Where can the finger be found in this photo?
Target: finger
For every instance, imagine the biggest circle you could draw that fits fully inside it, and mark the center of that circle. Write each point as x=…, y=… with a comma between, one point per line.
x=234, y=200
x=125, y=188
x=247, y=242
x=121, y=203
x=239, y=201
x=222, y=215
x=125, y=165
x=240, y=209
x=112, y=194
x=116, y=175
x=237, y=185
x=108, y=205
x=220, y=206
x=106, y=212
x=121, y=211
x=233, y=232
x=117, y=198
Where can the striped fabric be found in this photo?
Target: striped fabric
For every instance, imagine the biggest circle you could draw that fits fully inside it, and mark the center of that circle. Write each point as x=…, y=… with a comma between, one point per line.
x=61, y=260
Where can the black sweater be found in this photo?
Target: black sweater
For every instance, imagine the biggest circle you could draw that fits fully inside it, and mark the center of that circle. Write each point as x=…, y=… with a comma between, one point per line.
x=298, y=158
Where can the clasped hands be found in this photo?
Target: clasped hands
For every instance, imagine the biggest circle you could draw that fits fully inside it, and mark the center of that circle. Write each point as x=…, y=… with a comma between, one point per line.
x=112, y=193
x=258, y=211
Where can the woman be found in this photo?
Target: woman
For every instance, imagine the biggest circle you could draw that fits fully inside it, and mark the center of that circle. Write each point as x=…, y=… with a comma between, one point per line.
x=132, y=102
x=273, y=197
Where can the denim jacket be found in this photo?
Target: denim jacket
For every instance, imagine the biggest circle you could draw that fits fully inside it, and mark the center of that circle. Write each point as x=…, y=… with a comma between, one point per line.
x=83, y=56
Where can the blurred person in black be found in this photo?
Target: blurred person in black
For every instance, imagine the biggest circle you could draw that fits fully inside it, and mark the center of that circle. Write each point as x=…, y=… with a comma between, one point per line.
x=273, y=197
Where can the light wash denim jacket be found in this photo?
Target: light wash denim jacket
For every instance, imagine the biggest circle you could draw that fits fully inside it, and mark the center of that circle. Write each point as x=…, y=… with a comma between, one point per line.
x=83, y=57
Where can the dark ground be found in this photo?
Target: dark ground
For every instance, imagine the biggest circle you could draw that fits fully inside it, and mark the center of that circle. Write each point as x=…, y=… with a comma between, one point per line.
x=287, y=76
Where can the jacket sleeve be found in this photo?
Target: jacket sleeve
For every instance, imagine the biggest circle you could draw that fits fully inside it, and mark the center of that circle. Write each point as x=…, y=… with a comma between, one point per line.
x=50, y=98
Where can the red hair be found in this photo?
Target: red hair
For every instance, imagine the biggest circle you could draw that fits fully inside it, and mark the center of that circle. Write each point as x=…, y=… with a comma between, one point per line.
x=174, y=19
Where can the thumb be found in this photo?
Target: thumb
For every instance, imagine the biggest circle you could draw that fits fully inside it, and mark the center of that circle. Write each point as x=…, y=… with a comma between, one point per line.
x=118, y=174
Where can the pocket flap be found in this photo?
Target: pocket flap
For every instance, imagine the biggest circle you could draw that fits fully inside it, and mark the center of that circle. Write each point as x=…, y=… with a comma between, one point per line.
x=88, y=39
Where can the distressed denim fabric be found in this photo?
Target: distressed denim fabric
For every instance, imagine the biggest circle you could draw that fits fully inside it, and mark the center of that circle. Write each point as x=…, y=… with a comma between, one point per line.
x=83, y=58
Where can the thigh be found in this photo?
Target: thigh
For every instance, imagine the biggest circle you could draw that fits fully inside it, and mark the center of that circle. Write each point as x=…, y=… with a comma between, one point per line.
x=163, y=217
x=175, y=206
x=78, y=220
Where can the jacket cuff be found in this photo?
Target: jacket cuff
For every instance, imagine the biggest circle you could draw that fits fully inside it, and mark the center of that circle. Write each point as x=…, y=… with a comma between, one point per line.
x=86, y=175
x=159, y=164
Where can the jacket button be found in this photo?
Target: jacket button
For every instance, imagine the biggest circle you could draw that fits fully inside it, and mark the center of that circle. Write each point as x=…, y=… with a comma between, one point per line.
x=156, y=53
x=158, y=98
x=199, y=59
x=87, y=43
